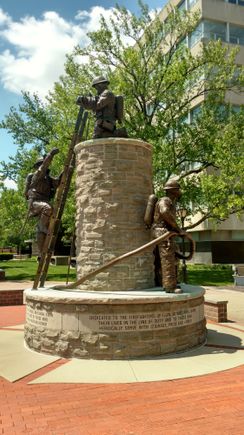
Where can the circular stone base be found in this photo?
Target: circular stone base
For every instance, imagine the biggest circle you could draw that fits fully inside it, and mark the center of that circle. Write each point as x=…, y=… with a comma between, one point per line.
x=114, y=325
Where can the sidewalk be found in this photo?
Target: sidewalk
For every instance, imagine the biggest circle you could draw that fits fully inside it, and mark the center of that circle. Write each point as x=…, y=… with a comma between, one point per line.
x=20, y=285
x=209, y=404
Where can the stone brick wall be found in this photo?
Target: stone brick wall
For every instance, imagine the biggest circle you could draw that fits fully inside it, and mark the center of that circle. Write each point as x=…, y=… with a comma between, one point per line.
x=113, y=182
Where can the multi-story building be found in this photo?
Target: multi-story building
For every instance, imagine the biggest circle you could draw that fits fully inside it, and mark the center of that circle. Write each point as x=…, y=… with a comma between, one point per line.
x=219, y=19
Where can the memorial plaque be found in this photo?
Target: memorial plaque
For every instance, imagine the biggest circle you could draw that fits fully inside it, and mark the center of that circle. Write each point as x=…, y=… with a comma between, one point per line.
x=42, y=319
x=151, y=321
x=36, y=317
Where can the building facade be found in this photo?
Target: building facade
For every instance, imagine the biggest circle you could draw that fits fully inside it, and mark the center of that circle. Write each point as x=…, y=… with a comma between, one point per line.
x=224, y=20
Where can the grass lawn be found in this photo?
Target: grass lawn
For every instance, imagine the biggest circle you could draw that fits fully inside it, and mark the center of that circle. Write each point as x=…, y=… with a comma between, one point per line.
x=201, y=274
x=26, y=270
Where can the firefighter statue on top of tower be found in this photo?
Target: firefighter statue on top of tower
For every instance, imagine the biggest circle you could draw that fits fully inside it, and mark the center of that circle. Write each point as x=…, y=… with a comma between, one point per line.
x=108, y=109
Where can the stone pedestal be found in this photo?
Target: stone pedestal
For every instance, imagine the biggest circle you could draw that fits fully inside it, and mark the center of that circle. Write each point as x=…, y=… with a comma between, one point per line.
x=113, y=182
x=114, y=325
x=125, y=317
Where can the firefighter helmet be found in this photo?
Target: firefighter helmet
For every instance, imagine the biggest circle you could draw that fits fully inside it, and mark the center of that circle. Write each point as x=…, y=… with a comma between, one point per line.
x=39, y=161
x=172, y=184
x=99, y=80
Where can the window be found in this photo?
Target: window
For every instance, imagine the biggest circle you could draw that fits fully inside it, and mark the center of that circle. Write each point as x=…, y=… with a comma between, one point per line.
x=195, y=112
x=182, y=6
x=149, y=109
x=236, y=34
x=186, y=4
x=237, y=235
x=183, y=43
x=209, y=30
x=237, y=2
x=185, y=119
x=196, y=35
x=235, y=108
x=191, y=3
x=214, y=30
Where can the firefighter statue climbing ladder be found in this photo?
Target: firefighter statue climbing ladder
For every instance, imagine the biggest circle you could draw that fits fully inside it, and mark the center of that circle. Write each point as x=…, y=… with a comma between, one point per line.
x=60, y=200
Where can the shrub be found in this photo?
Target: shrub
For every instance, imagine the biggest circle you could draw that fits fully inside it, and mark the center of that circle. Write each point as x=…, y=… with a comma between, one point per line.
x=5, y=256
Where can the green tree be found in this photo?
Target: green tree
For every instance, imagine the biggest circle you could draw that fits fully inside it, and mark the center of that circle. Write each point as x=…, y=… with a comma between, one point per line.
x=148, y=62
x=13, y=228
x=162, y=80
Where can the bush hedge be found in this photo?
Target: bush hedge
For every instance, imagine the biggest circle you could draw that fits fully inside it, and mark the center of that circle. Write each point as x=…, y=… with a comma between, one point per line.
x=5, y=256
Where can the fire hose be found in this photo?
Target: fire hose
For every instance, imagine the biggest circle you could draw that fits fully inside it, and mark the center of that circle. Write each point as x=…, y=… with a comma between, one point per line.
x=116, y=260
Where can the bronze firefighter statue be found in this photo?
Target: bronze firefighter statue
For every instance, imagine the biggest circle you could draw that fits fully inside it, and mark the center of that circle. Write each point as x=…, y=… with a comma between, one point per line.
x=164, y=220
x=39, y=190
x=108, y=109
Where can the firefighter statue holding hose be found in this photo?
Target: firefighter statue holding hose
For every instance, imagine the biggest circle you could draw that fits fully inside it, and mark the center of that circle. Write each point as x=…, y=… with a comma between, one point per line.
x=161, y=217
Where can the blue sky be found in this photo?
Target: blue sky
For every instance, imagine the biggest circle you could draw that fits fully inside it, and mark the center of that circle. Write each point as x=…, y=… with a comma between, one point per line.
x=34, y=38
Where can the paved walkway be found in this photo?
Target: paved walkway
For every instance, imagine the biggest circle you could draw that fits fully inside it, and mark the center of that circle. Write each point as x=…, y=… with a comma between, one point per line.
x=21, y=285
x=209, y=404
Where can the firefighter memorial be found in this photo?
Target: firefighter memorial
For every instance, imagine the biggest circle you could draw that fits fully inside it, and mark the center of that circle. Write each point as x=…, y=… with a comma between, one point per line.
x=114, y=310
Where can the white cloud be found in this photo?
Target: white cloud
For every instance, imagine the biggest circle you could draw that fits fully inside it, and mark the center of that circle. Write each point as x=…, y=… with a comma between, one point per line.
x=10, y=184
x=92, y=21
x=91, y=18
x=4, y=18
x=34, y=49
x=35, y=53
x=153, y=13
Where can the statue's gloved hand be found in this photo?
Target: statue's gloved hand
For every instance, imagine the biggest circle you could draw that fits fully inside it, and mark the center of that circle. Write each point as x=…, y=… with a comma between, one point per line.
x=54, y=151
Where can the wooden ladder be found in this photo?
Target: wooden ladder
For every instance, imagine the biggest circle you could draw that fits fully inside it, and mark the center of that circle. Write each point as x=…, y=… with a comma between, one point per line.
x=60, y=200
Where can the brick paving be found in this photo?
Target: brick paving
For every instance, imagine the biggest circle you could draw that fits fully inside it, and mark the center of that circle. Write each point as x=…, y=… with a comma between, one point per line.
x=211, y=404
x=12, y=315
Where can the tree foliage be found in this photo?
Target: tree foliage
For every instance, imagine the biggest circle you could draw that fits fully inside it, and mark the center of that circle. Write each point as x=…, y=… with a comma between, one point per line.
x=161, y=79
x=14, y=228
